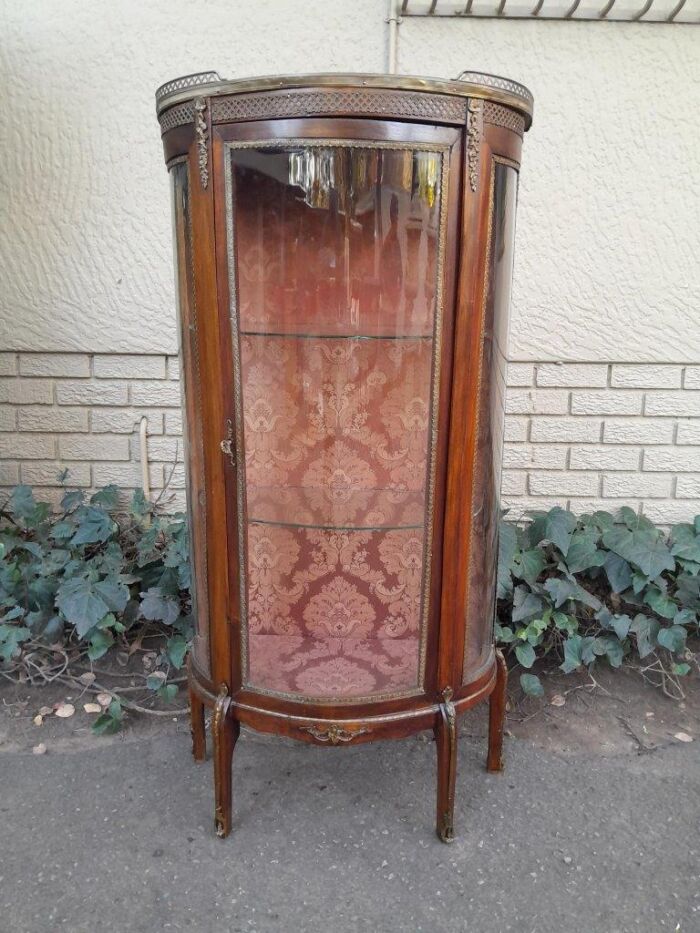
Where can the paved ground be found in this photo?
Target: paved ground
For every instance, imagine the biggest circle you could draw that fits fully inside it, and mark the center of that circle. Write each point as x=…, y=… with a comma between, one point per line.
x=118, y=837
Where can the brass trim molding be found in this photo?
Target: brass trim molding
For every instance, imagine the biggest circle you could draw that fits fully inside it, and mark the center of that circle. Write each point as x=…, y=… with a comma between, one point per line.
x=310, y=102
x=226, y=444
x=469, y=84
x=448, y=712
x=498, y=115
x=443, y=150
x=186, y=83
x=474, y=134
x=333, y=734
x=180, y=115
x=200, y=127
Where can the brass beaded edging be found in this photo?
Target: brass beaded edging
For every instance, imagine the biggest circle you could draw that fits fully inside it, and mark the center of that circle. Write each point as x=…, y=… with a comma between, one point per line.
x=316, y=143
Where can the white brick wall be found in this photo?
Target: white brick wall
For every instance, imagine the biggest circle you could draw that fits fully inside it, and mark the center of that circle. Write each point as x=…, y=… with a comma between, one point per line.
x=601, y=435
x=583, y=435
x=81, y=412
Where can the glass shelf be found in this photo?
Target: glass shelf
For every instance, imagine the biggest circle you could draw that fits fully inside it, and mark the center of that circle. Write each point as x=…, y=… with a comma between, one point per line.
x=334, y=336
x=336, y=508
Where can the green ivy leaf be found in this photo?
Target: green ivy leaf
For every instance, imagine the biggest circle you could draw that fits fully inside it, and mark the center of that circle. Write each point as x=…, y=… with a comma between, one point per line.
x=632, y=519
x=526, y=605
x=572, y=654
x=685, y=543
x=155, y=680
x=71, y=500
x=646, y=630
x=22, y=503
x=139, y=504
x=100, y=643
x=583, y=551
x=643, y=548
x=612, y=649
x=80, y=605
x=62, y=530
x=503, y=634
x=618, y=572
x=168, y=692
x=507, y=547
x=601, y=520
x=176, y=648
x=159, y=608
x=113, y=593
x=685, y=617
x=562, y=590
x=528, y=565
x=590, y=647
x=565, y=623
x=672, y=638
x=532, y=685
x=559, y=528
x=110, y=721
x=525, y=654
x=621, y=625
x=688, y=591
x=662, y=604
x=107, y=497
x=11, y=639
x=95, y=526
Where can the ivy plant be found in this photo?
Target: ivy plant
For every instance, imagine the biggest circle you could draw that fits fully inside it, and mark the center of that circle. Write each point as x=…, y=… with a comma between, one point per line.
x=88, y=577
x=599, y=588
x=96, y=573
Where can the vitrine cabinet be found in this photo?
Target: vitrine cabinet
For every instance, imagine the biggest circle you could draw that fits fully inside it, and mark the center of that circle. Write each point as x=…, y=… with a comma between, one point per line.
x=344, y=248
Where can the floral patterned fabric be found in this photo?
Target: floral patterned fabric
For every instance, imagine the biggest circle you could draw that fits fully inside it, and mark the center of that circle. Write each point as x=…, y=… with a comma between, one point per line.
x=335, y=271
x=336, y=437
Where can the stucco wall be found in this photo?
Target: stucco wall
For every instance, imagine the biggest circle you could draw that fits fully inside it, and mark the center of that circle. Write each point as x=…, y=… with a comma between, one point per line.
x=608, y=231
x=606, y=271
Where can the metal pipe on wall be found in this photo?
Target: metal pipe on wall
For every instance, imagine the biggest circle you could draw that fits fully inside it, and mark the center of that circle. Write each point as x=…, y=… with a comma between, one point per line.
x=393, y=23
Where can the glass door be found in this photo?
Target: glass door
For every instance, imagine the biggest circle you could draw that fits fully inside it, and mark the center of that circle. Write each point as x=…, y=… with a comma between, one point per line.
x=335, y=256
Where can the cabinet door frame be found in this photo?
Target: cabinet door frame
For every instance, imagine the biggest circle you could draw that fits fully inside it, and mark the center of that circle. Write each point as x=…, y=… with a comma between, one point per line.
x=230, y=497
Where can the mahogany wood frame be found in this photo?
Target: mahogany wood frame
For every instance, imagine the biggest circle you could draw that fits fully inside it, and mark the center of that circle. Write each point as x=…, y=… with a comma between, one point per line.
x=448, y=689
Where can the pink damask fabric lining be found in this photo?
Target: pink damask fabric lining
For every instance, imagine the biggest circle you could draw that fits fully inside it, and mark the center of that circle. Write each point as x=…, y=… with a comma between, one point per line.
x=336, y=273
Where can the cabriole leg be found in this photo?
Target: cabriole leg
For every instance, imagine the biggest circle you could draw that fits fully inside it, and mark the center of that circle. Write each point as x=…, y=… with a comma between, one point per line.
x=225, y=730
x=199, y=746
x=497, y=713
x=446, y=741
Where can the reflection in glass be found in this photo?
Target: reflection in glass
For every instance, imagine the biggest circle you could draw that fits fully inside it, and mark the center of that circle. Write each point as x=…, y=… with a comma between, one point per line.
x=192, y=421
x=336, y=282
x=489, y=450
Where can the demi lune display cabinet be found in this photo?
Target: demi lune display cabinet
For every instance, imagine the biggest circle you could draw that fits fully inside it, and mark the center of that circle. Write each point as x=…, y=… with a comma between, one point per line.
x=344, y=249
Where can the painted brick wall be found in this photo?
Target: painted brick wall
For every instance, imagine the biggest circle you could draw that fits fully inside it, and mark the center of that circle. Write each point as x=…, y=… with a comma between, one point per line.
x=81, y=412
x=585, y=435
x=602, y=435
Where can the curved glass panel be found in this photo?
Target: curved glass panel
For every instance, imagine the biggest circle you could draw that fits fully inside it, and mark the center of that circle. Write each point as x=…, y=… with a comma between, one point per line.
x=335, y=252
x=489, y=440
x=191, y=414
